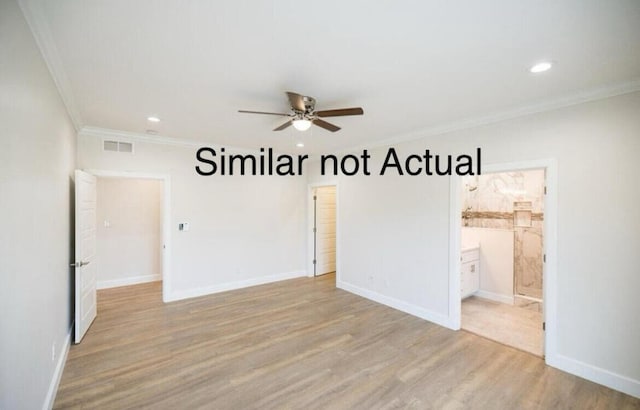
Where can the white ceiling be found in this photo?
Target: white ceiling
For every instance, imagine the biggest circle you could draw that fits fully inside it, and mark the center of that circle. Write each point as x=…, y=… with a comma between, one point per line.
x=412, y=65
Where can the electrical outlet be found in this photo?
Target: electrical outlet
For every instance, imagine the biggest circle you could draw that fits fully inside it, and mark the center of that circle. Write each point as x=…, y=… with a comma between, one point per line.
x=53, y=352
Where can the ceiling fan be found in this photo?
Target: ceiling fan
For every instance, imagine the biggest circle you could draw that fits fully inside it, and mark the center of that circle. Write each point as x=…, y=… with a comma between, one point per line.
x=303, y=114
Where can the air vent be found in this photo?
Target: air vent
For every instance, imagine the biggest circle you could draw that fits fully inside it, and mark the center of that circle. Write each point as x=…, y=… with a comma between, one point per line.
x=117, y=146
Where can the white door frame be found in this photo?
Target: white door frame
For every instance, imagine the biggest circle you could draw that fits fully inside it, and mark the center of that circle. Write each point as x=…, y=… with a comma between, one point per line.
x=165, y=217
x=550, y=244
x=310, y=215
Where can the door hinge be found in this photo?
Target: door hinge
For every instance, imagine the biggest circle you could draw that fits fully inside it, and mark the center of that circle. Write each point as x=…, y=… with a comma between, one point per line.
x=314, y=230
x=544, y=325
x=314, y=261
x=545, y=190
x=315, y=197
x=544, y=258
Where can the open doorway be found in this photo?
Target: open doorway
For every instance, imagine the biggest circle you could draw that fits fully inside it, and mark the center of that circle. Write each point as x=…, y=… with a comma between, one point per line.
x=165, y=212
x=468, y=259
x=502, y=257
x=86, y=263
x=323, y=230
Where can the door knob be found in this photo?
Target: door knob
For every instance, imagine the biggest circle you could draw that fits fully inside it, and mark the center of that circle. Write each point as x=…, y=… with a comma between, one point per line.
x=79, y=264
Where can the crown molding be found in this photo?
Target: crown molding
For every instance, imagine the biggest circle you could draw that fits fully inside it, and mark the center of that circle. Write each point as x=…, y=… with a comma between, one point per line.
x=42, y=35
x=585, y=96
x=565, y=101
x=36, y=20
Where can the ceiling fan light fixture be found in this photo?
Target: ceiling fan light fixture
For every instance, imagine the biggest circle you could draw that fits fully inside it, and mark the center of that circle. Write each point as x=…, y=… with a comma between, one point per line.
x=301, y=124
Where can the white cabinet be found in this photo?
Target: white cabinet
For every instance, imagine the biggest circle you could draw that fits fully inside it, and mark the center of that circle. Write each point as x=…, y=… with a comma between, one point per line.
x=470, y=272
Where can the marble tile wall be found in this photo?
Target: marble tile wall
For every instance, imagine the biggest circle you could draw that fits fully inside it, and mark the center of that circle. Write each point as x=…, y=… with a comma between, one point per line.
x=488, y=202
x=527, y=261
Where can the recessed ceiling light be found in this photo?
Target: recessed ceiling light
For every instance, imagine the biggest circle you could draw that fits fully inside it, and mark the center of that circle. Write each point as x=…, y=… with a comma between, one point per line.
x=300, y=145
x=541, y=67
x=153, y=119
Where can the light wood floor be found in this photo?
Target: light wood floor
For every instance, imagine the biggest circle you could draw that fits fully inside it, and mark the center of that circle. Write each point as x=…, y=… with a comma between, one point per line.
x=512, y=325
x=300, y=344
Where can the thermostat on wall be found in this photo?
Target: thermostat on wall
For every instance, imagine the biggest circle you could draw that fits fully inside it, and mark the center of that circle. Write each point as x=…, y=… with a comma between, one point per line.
x=184, y=226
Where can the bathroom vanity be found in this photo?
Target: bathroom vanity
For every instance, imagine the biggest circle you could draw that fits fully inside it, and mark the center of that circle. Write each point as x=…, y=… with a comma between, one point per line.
x=470, y=271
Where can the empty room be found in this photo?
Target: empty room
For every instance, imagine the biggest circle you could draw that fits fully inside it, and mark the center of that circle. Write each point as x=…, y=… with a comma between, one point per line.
x=327, y=205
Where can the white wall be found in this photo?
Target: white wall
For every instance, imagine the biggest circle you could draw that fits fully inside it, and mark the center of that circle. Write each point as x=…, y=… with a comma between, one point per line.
x=37, y=158
x=496, y=261
x=244, y=230
x=394, y=231
x=130, y=242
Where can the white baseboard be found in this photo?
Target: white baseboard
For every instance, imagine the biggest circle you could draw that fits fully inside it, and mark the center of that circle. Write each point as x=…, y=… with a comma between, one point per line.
x=409, y=308
x=133, y=280
x=223, y=287
x=57, y=374
x=595, y=374
x=496, y=297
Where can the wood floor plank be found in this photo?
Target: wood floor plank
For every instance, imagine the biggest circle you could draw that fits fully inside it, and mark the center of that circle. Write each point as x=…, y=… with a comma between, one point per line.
x=300, y=344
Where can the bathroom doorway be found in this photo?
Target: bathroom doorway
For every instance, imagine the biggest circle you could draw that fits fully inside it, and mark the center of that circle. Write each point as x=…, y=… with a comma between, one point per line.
x=502, y=256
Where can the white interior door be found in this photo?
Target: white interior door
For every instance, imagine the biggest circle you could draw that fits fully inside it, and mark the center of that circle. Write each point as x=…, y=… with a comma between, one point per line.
x=325, y=224
x=85, y=263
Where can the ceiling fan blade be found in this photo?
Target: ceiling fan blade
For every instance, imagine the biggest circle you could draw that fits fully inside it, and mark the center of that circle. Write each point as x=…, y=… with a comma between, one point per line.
x=283, y=126
x=340, y=112
x=262, y=112
x=326, y=125
x=296, y=101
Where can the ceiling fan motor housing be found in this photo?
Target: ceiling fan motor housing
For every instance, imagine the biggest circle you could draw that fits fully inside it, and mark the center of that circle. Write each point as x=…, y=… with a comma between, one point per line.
x=309, y=104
